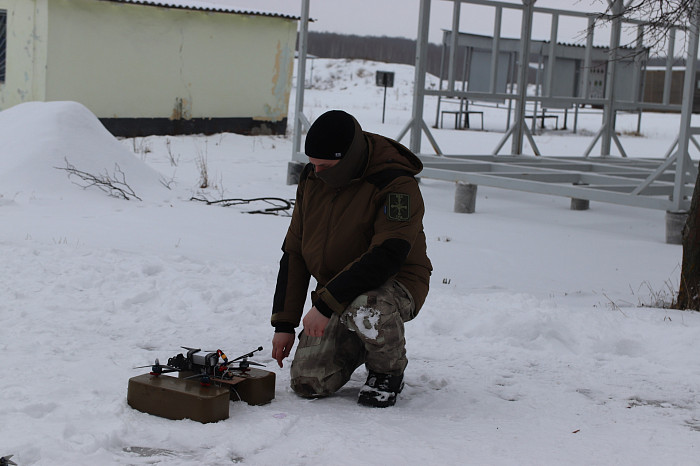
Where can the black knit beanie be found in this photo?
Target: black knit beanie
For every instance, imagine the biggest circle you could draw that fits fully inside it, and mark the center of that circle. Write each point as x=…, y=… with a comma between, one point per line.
x=331, y=135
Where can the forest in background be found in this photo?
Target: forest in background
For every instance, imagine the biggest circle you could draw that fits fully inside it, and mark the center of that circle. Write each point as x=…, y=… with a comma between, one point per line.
x=403, y=51
x=399, y=50
x=381, y=49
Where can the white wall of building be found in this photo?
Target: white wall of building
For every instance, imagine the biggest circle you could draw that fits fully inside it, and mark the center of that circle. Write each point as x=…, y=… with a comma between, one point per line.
x=25, y=52
x=138, y=61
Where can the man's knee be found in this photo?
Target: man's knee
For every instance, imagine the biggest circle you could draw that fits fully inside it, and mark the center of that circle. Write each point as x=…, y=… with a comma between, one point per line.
x=376, y=316
x=308, y=387
x=390, y=298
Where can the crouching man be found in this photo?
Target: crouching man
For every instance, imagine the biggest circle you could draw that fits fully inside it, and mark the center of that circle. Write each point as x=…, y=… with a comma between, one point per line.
x=357, y=228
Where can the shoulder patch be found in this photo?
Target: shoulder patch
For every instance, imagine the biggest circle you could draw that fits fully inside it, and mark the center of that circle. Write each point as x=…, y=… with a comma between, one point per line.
x=398, y=207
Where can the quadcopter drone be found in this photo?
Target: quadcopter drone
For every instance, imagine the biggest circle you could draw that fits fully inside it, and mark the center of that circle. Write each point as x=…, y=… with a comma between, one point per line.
x=208, y=366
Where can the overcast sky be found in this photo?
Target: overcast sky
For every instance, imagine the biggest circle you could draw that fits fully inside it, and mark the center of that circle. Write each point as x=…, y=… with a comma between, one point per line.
x=399, y=18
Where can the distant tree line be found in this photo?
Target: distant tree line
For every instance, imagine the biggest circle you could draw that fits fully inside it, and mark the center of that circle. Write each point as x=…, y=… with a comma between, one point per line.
x=400, y=50
x=381, y=49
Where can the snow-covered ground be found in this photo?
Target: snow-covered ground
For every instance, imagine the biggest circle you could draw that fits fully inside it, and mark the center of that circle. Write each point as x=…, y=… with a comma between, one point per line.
x=543, y=340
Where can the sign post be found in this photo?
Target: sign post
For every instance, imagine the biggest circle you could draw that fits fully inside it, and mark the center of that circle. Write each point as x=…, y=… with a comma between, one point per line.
x=385, y=79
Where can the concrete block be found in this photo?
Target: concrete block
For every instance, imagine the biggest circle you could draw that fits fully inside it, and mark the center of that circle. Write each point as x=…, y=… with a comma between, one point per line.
x=675, y=222
x=465, y=198
x=294, y=170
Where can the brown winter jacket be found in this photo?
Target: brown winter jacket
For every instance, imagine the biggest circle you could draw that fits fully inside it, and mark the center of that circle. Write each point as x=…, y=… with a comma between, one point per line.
x=353, y=239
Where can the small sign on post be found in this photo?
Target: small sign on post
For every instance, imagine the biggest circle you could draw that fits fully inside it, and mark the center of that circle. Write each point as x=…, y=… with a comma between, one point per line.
x=385, y=79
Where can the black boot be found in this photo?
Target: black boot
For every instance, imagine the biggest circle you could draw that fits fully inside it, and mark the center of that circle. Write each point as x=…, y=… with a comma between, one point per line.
x=380, y=390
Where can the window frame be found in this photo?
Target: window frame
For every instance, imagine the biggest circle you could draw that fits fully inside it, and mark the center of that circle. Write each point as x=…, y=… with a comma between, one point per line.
x=3, y=45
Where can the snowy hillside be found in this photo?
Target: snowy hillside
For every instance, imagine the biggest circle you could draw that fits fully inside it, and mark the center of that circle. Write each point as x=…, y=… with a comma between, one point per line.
x=543, y=340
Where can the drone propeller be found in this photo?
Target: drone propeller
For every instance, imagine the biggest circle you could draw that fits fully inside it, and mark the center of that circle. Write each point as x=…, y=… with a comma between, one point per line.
x=5, y=460
x=157, y=368
x=245, y=364
x=150, y=365
x=196, y=350
x=249, y=355
x=204, y=379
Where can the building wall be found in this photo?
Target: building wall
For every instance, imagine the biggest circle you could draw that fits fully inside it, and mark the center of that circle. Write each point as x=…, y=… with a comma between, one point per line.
x=25, y=59
x=654, y=88
x=152, y=69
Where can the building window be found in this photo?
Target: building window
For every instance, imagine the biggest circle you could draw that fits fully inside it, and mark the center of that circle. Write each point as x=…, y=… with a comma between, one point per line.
x=3, y=42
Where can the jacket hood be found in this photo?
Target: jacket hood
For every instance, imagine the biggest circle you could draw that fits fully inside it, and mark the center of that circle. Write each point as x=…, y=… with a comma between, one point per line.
x=387, y=154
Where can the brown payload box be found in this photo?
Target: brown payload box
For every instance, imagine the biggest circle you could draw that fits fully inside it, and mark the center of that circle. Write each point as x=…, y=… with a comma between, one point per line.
x=175, y=398
x=180, y=398
x=254, y=386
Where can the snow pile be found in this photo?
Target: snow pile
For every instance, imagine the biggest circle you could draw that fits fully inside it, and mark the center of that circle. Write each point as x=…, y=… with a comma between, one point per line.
x=41, y=140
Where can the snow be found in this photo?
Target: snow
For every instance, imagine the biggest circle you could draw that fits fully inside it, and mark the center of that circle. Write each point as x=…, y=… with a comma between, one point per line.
x=366, y=320
x=543, y=340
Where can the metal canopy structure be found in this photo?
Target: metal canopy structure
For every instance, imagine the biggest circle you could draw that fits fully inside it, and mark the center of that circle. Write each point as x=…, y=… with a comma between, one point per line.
x=576, y=67
x=634, y=182
x=664, y=183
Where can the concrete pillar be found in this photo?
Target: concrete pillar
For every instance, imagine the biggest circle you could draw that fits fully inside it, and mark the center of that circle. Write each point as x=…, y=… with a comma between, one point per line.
x=465, y=198
x=675, y=222
x=294, y=170
x=580, y=204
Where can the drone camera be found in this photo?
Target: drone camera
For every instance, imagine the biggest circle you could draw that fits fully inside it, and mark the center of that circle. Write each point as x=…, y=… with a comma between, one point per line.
x=205, y=360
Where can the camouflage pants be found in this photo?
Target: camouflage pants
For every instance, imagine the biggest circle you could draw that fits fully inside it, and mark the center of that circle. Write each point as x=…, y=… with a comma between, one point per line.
x=370, y=331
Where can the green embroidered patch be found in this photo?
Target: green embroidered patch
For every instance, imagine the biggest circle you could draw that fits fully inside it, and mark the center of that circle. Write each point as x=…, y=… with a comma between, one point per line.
x=398, y=207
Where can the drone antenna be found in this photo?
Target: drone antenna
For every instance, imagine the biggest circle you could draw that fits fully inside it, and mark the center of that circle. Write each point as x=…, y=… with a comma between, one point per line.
x=249, y=355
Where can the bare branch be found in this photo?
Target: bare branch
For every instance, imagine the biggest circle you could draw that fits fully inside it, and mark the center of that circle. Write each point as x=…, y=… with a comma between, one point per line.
x=114, y=185
x=659, y=17
x=279, y=205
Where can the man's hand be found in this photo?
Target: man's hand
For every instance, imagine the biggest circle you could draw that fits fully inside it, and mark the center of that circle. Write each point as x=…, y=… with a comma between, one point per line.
x=315, y=323
x=282, y=344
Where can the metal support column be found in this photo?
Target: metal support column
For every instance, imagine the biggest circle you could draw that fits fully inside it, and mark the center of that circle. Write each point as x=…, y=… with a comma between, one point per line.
x=609, y=110
x=300, y=120
x=453, y=46
x=495, y=50
x=524, y=60
x=685, y=133
x=668, y=73
x=590, y=30
x=417, y=124
x=443, y=54
x=552, y=56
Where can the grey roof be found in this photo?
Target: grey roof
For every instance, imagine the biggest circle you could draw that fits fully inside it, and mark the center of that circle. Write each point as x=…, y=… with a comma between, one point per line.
x=199, y=5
